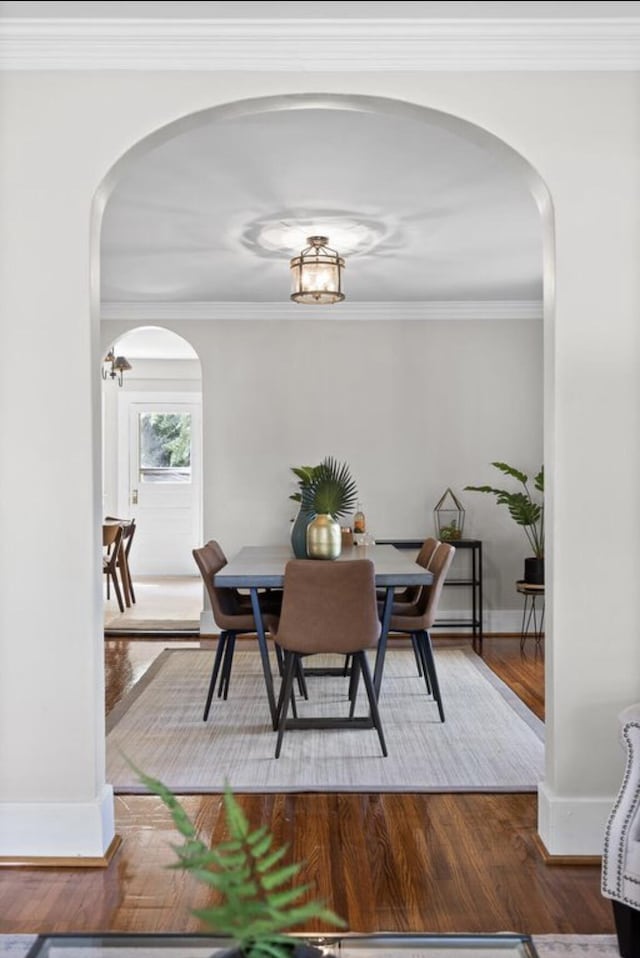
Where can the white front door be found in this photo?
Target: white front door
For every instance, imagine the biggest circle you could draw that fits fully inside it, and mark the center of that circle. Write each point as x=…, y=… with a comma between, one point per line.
x=163, y=486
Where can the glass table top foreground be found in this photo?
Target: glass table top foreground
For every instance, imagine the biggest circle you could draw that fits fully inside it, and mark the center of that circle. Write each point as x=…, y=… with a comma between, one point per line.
x=343, y=946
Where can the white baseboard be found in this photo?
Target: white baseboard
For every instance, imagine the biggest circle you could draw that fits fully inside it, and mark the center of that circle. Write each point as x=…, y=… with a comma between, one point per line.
x=572, y=826
x=494, y=620
x=57, y=829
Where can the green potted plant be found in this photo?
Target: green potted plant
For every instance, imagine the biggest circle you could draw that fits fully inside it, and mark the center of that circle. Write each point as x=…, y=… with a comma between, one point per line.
x=246, y=871
x=526, y=512
x=327, y=489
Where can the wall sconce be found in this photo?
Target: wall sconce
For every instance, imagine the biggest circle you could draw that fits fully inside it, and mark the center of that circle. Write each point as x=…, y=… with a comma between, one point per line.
x=316, y=274
x=114, y=366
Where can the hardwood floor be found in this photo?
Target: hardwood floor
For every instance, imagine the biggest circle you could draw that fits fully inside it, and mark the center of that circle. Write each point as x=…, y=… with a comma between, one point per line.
x=394, y=862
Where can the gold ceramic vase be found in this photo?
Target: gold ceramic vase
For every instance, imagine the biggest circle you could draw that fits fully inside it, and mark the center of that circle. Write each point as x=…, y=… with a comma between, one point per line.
x=324, y=538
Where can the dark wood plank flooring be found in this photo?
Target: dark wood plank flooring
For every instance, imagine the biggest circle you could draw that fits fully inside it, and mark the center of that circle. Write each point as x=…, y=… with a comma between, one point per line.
x=395, y=862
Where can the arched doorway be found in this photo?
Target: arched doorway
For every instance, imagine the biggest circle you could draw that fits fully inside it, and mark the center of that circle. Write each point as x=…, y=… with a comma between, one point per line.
x=228, y=492
x=152, y=472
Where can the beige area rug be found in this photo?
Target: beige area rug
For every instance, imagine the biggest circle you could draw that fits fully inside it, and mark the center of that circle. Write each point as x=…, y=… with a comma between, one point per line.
x=489, y=742
x=163, y=604
x=547, y=946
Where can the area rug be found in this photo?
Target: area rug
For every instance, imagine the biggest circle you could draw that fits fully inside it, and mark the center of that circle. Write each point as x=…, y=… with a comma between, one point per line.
x=130, y=626
x=547, y=946
x=489, y=742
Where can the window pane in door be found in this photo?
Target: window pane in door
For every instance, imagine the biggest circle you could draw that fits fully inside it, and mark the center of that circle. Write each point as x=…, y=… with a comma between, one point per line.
x=165, y=447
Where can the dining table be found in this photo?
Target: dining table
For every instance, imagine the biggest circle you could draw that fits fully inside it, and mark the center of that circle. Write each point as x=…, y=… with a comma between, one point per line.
x=255, y=568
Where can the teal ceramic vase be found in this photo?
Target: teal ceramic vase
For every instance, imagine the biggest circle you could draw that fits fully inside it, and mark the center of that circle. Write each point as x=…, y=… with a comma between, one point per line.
x=299, y=530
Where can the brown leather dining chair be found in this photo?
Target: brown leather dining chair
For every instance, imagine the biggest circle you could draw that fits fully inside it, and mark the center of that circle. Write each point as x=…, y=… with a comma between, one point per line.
x=411, y=593
x=232, y=614
x=416, y=619
x=112, y=543
x=327, y=607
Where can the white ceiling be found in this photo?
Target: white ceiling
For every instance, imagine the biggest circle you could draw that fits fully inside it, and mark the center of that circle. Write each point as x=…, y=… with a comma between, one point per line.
x=422, y=214
x=419, y=212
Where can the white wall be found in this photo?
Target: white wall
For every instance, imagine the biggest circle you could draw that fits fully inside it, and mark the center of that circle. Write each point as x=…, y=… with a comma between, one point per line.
x=414, y=407
x=61, y=133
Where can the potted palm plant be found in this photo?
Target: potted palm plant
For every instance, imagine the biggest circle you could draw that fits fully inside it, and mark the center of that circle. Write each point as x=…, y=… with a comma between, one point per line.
x=326, y=492
x=526, y=512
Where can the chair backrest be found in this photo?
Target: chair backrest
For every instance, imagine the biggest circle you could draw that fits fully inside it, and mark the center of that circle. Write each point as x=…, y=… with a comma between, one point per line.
x=424, y=557
x=211, y=559
x=427, y=551
x=430, y=595
x=112, y=540
x=128, y=530
x=328, y=606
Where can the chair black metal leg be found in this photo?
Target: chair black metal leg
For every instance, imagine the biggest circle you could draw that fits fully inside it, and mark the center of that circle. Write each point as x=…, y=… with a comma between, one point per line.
x=416, y=652
x=290, y=661
x=416, y=637
x=425, y=640
x=302, y=682
x=279, y=702
x=223, y=688
x=279, y=659
x=347, y=664
x=354, y=681
x=373, y=702
x=222, y=641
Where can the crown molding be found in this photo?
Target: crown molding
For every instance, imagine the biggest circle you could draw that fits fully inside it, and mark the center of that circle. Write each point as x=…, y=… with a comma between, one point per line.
x=320, y=45
x=150, y=313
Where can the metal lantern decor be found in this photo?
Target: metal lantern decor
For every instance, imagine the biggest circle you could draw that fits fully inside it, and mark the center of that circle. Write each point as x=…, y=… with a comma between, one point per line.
x=449, y=517
x=316, y=274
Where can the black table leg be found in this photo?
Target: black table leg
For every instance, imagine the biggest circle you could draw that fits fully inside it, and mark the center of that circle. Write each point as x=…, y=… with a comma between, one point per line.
x=382, y=642
x=264, y=655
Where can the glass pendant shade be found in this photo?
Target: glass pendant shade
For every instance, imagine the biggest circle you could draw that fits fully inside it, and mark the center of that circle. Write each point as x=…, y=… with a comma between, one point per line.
x=316, y=274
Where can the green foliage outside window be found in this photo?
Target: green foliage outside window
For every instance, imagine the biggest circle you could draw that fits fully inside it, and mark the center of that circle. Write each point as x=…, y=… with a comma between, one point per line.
x=165, y=440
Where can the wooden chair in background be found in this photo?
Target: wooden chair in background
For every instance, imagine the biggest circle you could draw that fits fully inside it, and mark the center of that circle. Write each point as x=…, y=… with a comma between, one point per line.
x=112, y=541
x=128, y=532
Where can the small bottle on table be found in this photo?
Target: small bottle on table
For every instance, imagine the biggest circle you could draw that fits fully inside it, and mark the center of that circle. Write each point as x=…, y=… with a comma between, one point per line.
x=359, y=524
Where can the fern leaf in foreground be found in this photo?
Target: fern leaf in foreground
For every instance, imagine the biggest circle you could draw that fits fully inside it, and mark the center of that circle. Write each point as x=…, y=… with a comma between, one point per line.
x=247, y=875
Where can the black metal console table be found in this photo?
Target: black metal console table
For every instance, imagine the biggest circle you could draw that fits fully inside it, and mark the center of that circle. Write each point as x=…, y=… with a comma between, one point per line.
x=474, y=582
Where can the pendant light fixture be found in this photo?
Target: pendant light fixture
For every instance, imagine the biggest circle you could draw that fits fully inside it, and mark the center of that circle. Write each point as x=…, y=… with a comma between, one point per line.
x=114, y=366
x=316, y=274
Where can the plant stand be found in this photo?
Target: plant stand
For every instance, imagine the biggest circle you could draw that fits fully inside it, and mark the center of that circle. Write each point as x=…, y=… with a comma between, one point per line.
x=532, y=612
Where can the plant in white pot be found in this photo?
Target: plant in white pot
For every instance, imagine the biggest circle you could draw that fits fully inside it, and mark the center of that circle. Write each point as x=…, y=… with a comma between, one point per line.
x=527, y=512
